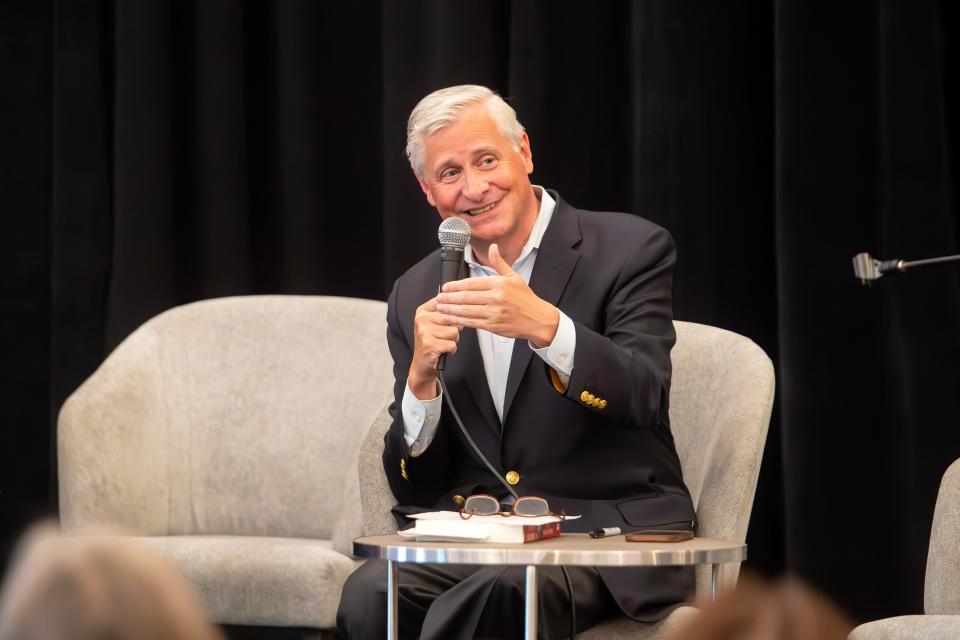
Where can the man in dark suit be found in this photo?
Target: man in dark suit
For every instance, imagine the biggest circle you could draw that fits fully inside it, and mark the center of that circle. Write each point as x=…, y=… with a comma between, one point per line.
x=558, y=361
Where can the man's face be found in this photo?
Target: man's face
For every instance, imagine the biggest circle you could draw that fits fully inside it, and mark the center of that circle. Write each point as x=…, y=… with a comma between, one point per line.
x=472, y=171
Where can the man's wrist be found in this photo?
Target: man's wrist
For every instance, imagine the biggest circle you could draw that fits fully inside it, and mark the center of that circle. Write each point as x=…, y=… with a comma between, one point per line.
x=422, y=388
x=548, y=330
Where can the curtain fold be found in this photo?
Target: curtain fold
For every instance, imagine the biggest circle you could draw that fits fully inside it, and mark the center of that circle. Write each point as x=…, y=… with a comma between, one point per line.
x=867, y=376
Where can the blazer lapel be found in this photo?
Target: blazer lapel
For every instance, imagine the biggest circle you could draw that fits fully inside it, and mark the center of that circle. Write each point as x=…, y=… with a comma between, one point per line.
x=556, y=260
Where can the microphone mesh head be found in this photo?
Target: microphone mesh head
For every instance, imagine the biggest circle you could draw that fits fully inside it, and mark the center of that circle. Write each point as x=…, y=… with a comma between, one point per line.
x=454, y=232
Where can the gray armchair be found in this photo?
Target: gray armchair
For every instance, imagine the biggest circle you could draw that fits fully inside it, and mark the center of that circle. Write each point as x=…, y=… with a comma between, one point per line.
x=226, y=434
x=720, y=403
x=941, y=594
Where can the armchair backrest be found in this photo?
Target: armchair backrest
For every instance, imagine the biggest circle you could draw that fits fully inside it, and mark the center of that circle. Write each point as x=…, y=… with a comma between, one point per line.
x=235, y=415
x=720, y=402
x=941, y=594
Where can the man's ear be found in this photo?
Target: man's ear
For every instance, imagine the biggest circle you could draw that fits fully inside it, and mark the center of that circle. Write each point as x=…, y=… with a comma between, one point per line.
x=426, y=190
x=526, y=152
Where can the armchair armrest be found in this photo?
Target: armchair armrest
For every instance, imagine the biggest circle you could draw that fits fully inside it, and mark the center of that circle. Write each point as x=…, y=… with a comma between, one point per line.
x=375, y=495
x=113, y=444
x=909, y=628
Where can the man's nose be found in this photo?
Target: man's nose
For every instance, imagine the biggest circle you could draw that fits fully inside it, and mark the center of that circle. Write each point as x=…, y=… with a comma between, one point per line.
x=474, y=185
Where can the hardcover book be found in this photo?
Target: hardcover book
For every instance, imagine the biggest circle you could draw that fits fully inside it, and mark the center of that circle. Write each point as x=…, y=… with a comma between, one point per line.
x=448, y=526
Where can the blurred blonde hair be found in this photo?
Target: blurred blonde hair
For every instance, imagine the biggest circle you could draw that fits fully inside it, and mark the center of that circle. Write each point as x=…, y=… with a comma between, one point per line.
x=757, y=610
x=96, y=587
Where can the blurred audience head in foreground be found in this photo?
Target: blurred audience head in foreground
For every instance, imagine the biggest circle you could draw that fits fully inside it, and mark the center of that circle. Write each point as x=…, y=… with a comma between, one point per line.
x=759, y=610
x=96, y=587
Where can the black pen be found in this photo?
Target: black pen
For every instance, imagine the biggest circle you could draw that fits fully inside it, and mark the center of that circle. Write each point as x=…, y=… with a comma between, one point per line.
x=606, y=531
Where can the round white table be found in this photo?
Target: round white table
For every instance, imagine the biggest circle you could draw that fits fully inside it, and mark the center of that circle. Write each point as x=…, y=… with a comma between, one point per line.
x=569, y=549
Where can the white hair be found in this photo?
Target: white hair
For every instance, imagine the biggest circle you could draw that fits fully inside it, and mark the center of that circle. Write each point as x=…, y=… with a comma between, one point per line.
x=445, y=106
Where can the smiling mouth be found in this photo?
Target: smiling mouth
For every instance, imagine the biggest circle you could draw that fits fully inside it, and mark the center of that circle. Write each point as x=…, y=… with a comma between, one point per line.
x=481, y=210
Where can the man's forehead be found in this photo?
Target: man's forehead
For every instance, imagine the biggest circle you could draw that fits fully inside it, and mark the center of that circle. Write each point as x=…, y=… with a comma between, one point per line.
x=470, y=150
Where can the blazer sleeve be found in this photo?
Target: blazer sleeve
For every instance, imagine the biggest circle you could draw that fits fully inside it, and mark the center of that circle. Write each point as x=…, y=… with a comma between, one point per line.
x=420, y=480
x=624, y=371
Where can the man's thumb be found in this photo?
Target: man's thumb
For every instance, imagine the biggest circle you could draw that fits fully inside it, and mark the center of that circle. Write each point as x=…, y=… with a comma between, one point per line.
x=497, y=261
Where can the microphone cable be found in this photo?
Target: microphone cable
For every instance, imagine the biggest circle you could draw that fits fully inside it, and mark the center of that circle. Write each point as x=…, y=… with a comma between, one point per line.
x=473, y=445
x=509, y=487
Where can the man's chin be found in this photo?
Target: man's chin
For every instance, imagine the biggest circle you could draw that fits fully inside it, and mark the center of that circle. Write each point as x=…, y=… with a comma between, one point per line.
x=485, y=229
x=486, y=236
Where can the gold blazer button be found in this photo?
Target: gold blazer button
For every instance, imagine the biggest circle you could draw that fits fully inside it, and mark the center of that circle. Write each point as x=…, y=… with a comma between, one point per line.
x=584, y=396
x=458, y=500
x=513, y=477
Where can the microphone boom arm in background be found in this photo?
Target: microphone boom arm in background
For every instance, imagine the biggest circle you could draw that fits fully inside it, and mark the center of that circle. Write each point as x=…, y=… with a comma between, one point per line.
x=869, y=269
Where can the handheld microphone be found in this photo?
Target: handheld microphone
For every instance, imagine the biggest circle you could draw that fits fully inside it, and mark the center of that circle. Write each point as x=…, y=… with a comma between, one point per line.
x=454, y=234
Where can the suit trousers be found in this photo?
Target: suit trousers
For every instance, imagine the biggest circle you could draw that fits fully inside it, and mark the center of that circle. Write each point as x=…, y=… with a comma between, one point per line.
x=443, y=602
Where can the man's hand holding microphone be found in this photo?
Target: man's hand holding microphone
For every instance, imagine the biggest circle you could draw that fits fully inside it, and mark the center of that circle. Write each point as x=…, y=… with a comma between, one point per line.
x=502, y=304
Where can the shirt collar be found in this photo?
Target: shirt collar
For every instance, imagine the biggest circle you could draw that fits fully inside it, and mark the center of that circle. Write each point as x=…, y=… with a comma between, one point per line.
x=544, y=215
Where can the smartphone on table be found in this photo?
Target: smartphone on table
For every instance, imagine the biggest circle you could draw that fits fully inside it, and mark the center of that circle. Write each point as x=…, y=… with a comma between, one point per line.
x=660, y=535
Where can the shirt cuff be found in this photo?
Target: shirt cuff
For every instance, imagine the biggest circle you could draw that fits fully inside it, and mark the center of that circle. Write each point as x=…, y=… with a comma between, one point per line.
x=559, y=353
x=420, y=418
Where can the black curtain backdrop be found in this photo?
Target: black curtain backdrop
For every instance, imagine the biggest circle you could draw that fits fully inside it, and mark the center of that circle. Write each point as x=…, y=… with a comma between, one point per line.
x=160, y=152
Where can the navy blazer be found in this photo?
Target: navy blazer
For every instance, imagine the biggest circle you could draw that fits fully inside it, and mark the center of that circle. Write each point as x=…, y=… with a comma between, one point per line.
x=601, y=449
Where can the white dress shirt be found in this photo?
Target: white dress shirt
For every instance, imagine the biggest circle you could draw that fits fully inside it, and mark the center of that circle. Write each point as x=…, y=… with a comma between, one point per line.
x=420, y=417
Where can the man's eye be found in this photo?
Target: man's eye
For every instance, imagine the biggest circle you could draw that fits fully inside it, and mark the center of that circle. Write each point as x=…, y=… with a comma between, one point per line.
x=488, y=161
x=449, y=174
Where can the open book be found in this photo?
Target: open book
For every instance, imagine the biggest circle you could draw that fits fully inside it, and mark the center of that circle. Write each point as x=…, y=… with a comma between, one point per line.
x=448, y=526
